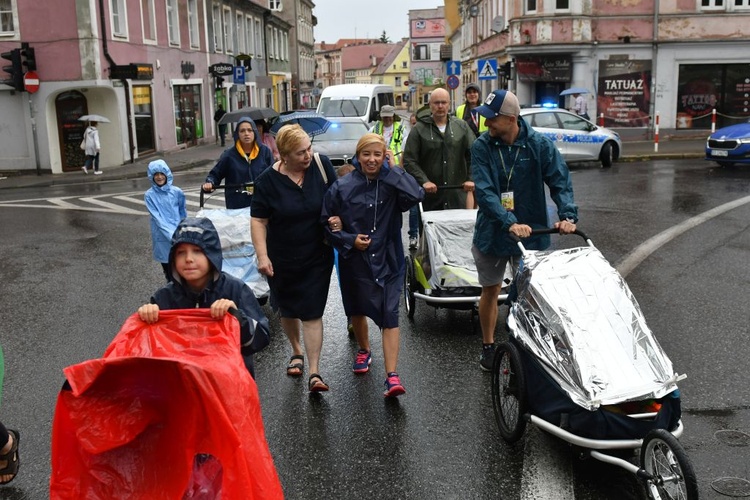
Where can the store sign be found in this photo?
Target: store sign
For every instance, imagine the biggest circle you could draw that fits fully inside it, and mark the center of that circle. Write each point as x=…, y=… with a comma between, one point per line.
x=544, y=69
x=132, y=71
x=624, y=92
x=221, y=69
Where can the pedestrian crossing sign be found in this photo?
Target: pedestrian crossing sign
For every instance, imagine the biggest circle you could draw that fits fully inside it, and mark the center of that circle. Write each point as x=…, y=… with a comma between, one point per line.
x=487, y=69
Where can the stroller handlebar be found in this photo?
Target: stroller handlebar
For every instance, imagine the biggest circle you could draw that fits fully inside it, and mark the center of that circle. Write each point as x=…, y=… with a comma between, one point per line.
x=550, y=230
x=242, y=187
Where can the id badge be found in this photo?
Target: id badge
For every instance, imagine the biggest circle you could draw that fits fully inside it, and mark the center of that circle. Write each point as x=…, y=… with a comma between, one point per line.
x=249, y=189
x=506, y=200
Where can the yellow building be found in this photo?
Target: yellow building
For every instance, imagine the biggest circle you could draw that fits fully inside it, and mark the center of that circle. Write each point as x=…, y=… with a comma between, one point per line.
x=394, y=71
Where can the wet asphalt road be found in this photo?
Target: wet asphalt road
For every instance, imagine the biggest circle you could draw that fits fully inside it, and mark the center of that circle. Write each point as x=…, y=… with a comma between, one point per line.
x=70, y=278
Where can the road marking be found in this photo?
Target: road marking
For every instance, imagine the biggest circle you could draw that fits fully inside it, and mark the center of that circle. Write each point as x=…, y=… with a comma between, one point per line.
x=633, y=259
x=99, y=203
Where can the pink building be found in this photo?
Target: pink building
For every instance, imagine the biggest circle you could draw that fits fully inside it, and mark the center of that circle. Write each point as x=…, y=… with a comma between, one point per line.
x=155, y=68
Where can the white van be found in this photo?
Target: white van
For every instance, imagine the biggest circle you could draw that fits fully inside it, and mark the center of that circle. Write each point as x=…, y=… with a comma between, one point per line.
x=355, y=99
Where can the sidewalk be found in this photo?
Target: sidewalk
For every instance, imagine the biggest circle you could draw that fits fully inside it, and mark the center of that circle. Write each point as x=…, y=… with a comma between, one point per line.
x=636, y=147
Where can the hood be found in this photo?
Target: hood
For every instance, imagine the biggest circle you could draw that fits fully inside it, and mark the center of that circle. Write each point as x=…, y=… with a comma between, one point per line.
x=200, y=232
x=739, y=131
x=159, y=167
x=242, y=120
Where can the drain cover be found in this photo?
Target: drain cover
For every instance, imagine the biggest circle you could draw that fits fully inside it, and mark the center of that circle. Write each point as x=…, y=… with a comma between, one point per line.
x=732, y=486
x=733, y=438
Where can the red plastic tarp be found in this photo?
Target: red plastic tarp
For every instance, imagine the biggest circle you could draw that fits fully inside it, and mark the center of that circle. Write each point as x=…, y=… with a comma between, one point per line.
x=133, y=421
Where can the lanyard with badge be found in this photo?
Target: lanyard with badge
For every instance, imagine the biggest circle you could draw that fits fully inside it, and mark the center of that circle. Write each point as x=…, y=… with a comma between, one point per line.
x=506, y=197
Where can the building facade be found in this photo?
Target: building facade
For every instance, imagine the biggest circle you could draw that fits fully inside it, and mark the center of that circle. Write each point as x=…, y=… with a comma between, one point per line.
x=427, y=33
x=679, y=59
x=155, y=68
x=299, y=14
x=394, y=70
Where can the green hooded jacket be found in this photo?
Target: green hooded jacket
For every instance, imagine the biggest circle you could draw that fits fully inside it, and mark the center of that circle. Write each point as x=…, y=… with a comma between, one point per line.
x=442, y=158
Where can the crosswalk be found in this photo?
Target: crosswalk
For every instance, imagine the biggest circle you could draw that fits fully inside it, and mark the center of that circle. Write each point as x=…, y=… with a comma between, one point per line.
x=129, y=203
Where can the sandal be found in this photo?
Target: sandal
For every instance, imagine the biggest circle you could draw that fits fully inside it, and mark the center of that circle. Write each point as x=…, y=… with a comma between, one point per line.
x=11, y=458
x=294, y=369
x=316, y=383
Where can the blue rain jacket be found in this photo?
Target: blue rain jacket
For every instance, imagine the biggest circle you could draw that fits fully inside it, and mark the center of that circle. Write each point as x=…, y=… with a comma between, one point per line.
x=530, y=162
x=373, y=208
x=235, y=168
x=254, y=330
x=166, y=204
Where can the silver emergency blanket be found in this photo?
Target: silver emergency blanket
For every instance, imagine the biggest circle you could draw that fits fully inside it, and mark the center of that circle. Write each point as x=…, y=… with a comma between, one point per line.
x=445, y=249
x=240, y=261
x=578, y=317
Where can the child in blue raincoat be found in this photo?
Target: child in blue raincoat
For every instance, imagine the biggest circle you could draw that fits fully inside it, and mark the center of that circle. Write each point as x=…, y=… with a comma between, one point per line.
x=363, y=212
x=166, y=204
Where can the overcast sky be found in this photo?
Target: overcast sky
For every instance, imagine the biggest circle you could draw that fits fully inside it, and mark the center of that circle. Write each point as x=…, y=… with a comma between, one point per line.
x=365, y=18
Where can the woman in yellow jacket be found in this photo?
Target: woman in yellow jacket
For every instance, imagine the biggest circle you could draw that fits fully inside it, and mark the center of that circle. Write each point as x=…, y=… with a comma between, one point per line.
x=464, y=111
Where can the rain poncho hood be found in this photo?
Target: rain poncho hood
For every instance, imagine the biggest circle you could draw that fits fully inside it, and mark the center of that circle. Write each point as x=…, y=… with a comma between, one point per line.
x=441, y=158
x=237, y=169
x=199, y=232
x=167, y=207
x=526, y=166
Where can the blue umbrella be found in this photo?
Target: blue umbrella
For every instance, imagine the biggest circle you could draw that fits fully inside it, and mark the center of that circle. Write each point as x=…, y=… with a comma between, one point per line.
x=574, y=90
x=312, y=123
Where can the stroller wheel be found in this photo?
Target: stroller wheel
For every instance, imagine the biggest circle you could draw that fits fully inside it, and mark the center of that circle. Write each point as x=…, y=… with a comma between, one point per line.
x=665, y=460
x=509, y=392
x=410, y=285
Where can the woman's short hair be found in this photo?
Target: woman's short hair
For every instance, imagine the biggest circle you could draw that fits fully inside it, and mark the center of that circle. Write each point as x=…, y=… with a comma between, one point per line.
x=289, y=138
x=370, y=139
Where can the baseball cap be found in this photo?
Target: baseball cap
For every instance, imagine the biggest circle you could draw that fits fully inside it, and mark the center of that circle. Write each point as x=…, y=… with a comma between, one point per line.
x=499, y=102
x=387, y=111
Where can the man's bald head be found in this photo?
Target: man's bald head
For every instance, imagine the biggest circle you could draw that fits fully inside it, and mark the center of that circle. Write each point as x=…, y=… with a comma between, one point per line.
x=440, y=103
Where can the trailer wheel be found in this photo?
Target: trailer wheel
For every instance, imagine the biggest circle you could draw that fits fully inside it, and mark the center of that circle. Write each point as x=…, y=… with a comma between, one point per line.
x=665, y=460
x=509, y=392
x=410, y=285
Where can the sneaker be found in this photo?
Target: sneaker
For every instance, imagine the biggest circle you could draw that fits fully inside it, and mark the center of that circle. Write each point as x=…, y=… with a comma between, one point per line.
x=487, y=358
x=362, y=361
x=393, y=386
x=97, y=172
x=412, y=243
x=85, y=170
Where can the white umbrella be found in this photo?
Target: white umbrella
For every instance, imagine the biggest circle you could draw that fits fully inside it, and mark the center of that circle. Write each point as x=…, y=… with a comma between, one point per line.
x=94, y=118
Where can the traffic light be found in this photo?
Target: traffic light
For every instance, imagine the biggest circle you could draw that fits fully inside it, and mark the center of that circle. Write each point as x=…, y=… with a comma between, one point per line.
x=219, y=82
x=28, y=57
x=15, y=70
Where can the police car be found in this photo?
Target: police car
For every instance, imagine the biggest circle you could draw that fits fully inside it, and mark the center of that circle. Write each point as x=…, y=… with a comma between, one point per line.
x=577, y=139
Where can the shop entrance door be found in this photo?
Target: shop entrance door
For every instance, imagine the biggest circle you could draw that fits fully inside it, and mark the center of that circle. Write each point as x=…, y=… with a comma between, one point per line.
x=69, y=106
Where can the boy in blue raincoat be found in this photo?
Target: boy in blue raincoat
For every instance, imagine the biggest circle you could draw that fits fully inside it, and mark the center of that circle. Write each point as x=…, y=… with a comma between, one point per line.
x=362, y=212
x=195, y=262
x=166, y=204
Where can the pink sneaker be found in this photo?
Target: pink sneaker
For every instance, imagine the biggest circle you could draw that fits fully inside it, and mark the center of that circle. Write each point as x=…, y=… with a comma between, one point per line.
x=393, y=386
x=362, y=361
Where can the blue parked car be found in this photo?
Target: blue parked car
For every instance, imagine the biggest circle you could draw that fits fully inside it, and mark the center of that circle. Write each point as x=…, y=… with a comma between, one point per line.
x=729, y=145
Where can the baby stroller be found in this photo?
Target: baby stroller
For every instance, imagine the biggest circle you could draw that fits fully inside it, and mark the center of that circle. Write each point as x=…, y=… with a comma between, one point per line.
x=582, y=365
x=442, y=272
x=233, y=226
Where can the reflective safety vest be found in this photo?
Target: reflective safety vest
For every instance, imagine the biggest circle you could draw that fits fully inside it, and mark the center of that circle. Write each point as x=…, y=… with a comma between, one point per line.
x=396, y=139
x=476, y=122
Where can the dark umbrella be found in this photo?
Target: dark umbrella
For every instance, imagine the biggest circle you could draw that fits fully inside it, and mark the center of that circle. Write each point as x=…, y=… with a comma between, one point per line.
x=312, y=123
x=251, y=112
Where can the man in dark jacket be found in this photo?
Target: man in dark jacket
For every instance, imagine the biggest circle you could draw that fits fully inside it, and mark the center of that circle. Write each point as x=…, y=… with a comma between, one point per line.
x=195, y=261
x=240, y=165
x=222, y=126
x=437, y=153
x=510, y=166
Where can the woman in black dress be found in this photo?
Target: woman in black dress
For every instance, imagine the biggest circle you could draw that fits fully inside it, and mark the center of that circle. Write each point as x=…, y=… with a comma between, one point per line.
x=290, y=246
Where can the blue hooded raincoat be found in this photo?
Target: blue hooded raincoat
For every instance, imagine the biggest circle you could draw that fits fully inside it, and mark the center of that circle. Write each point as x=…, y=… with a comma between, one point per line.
x=234, y=167
x=254, y=331
x=371, y=281
x=166, y=204
x=526, y=166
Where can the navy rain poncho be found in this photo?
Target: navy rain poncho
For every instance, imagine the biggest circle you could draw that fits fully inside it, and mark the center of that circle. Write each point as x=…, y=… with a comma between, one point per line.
x=371, y=281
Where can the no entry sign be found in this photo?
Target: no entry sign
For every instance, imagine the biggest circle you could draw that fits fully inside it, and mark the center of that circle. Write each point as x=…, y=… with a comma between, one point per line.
x=31, y=82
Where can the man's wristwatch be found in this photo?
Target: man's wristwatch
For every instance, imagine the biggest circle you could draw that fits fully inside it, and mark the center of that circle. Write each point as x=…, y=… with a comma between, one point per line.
x=570, y=220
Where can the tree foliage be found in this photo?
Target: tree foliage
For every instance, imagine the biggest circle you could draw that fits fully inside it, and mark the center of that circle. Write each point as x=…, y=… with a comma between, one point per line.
x=384, y=38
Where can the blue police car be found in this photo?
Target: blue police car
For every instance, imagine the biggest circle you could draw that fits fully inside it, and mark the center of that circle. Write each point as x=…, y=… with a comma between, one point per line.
x=577, y=139
x=729, y=145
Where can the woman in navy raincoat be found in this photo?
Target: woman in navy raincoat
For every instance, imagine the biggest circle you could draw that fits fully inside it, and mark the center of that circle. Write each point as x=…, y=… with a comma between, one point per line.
x=240, y=164
x=363, y=213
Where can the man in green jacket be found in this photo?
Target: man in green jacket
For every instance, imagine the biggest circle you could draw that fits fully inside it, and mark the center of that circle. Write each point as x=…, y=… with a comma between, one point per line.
x=438, y=153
